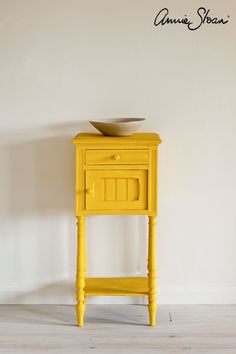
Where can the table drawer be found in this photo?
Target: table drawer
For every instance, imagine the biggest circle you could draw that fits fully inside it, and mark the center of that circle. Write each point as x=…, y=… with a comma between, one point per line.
x=116, y=157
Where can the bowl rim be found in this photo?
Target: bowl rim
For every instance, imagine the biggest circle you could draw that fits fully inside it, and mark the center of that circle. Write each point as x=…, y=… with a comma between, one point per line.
x=122, y=121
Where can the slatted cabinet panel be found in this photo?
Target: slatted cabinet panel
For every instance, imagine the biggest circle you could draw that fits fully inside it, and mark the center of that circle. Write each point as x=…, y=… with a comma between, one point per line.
x=119, y=189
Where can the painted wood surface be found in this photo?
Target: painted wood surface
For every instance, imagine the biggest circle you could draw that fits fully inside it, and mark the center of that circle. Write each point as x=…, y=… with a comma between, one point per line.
x=116, y=176
x=152, y=271
x=80, y=279
x=129, y=286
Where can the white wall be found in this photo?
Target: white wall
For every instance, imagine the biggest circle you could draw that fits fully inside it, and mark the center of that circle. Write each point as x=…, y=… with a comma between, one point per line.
x=65, y=61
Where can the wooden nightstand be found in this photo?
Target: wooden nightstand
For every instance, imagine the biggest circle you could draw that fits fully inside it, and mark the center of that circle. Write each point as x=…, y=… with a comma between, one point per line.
x=116, y=175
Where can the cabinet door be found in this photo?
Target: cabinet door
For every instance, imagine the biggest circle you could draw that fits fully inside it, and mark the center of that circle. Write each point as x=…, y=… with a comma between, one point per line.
x=116, y=189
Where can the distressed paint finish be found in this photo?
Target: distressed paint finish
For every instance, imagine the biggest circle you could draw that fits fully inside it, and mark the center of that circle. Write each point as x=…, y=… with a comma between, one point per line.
x=116, y=175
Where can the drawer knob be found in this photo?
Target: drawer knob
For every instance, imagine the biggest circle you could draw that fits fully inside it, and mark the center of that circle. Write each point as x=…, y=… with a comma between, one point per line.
x=89, y=191
x=116, y=157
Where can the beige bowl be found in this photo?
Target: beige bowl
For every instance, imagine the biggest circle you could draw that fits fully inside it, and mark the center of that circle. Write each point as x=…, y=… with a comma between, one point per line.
x=118, y=126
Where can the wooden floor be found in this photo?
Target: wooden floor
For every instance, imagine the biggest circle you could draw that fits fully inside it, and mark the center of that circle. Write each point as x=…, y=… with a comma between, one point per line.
x=123, y=329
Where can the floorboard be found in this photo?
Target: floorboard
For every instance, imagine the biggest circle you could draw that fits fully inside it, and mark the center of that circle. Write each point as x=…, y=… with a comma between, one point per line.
x=113, y=329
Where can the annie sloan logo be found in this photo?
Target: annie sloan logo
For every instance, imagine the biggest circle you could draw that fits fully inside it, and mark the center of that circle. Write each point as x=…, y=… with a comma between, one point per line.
x=203, y=17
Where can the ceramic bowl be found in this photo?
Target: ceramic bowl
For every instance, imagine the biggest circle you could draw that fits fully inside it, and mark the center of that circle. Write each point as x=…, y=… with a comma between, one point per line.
x=118, y=126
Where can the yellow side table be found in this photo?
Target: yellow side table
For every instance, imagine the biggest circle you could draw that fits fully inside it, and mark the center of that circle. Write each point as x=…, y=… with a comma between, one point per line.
x=116, y=175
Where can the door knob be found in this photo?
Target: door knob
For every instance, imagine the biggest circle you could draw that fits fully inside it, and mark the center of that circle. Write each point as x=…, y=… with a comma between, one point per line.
x=89, y=191
x=116, y=157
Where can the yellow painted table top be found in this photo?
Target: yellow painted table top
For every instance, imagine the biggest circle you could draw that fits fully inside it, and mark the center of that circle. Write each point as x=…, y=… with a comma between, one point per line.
x=139, y=138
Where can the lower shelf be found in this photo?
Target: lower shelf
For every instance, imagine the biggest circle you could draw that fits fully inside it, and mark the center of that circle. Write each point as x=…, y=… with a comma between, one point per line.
x=135, y=286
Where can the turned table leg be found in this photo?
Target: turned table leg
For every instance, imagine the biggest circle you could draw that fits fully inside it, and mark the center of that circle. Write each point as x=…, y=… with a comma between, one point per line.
x=80, y=278
x=152, y=270
x=85, y=261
